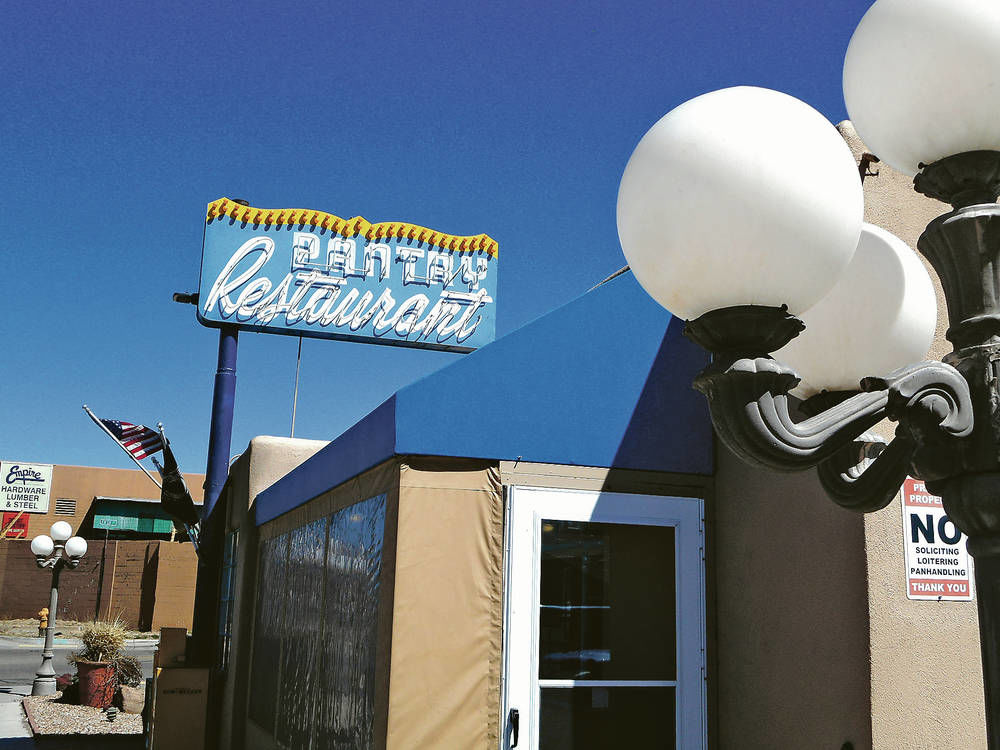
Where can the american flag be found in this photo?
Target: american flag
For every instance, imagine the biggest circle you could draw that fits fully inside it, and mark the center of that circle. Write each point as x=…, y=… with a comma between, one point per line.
x=138, y=440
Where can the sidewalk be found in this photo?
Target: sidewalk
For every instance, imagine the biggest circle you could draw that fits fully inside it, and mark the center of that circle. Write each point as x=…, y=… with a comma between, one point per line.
x=14, y=731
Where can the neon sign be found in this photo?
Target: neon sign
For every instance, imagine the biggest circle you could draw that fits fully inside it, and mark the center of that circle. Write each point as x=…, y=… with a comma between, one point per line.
x=310, y=273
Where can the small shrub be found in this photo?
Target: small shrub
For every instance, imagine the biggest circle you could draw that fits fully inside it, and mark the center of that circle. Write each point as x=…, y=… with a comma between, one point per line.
x=68, y=685
x=105, y=642
x=102, y=641
x=128, y=671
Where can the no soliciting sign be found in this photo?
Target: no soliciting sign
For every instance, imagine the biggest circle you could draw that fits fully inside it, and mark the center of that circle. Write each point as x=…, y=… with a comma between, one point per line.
x=938, y=565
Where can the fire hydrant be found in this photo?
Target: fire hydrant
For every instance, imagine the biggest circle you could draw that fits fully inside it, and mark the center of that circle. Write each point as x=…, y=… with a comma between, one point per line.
x=43, y=620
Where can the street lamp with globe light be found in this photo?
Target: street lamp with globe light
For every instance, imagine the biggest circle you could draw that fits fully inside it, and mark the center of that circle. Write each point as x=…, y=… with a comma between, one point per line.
x=762, y=259
x=56, y=550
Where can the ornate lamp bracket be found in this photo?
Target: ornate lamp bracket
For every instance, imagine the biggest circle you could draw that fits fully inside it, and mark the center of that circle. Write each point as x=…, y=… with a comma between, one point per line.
x=750, y=408
x=48, y=562
x=751, y=412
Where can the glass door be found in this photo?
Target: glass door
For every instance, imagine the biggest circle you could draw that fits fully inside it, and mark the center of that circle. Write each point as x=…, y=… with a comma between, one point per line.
x=605, y=621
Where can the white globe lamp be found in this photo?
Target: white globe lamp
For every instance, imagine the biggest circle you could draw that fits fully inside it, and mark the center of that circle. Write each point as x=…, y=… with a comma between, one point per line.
x=61, y=531
x=76, y=547
x=42, y=546
x=743, y=196
x=922, y=79
x=880, y=316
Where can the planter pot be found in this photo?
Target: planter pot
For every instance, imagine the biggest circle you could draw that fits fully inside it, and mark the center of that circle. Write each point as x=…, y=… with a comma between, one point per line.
x=97, y=683
x=133, y=699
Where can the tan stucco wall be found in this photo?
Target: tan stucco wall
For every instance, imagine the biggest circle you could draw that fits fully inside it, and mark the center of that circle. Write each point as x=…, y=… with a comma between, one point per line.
x=926, y=671
x=791, y=647
x=273, y=457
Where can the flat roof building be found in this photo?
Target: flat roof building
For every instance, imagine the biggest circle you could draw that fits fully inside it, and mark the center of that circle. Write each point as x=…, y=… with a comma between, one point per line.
x=134, y=569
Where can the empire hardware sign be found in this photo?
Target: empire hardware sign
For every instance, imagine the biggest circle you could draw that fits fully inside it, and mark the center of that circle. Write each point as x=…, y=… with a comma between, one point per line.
x=25, y=487
x=309, y=273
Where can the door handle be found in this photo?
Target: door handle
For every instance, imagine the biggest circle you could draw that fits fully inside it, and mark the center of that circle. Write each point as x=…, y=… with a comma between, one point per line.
x=515, y=726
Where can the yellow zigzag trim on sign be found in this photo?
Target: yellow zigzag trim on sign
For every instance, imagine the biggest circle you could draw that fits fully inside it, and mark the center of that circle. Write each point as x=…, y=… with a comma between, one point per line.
x=349, y=227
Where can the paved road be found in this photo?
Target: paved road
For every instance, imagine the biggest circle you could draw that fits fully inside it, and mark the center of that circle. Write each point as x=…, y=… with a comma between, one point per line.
x=20, y=657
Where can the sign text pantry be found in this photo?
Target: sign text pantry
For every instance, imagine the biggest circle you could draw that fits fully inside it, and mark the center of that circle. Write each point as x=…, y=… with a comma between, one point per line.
x=309, y=273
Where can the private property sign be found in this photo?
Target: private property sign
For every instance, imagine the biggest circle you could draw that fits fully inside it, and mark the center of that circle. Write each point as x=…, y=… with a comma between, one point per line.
x=938, y=566
x=25, y=487
x=309, y=273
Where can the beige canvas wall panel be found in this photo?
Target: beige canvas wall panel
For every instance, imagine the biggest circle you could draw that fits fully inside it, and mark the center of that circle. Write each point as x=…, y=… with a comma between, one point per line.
x=600, y=479
x=444, y=687
x=927, y=688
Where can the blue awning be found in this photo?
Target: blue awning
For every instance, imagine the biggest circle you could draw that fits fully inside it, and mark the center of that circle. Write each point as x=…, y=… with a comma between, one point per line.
x=603, y=381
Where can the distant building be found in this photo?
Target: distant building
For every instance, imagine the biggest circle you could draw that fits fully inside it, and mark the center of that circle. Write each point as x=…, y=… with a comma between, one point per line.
x=135, y=567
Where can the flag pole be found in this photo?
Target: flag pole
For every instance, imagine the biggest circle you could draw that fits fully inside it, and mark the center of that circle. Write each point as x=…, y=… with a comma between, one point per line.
x=108, y=432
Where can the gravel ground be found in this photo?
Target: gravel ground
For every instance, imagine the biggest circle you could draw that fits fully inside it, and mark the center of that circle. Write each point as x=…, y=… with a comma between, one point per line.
x=47, y=717
x=64, y=629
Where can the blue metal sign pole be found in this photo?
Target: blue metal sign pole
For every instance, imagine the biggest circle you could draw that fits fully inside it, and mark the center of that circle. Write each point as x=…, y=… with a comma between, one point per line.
x=212, y=529
x=220, y=435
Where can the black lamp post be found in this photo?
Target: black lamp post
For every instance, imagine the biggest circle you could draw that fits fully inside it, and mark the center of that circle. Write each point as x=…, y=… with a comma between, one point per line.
x=922, y=86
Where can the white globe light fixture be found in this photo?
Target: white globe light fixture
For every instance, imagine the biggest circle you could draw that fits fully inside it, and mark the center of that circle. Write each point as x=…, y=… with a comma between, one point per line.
x=880, y=316
x=76, y=547
x=42, y=546
x=922, y=79
x=743, y=196
x=61, y=531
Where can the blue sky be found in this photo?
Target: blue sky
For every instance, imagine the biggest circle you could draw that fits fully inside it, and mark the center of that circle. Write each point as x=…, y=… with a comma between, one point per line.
x=119, y=123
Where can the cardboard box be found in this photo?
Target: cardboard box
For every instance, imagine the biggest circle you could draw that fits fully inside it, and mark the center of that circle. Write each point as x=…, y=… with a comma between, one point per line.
x=173, y=644
x=180, y=697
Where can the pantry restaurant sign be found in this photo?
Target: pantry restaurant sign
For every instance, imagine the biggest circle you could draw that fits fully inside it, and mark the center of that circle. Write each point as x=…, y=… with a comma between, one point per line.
x=310, y=273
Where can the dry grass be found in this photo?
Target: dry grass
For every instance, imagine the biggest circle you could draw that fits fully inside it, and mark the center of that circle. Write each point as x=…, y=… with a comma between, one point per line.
x=105, y=642
x=102, y=641
x=64, y=629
